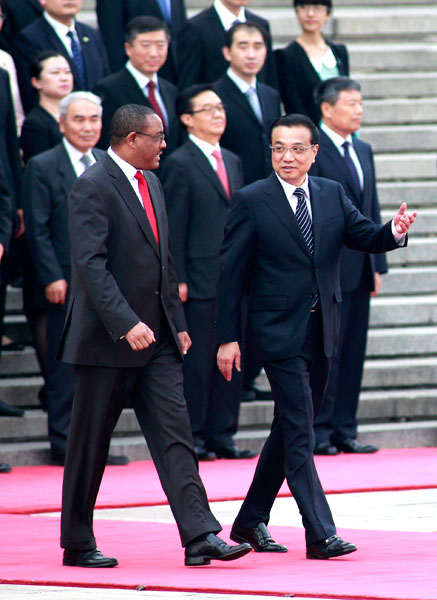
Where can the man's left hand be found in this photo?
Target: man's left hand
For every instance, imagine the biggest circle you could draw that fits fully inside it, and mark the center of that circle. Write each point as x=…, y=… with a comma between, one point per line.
x=404, y=220
x=184, y=341
x=377, y=284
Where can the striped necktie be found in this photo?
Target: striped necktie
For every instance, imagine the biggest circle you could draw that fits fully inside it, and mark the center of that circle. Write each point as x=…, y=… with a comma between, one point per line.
x=303, y=219
x=76, y=55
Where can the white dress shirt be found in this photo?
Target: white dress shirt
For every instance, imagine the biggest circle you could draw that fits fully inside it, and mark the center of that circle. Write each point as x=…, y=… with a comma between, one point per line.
x=207, y=149
x=129, y=170
x=75, y=156
x=338, y=142
x=62, y=31
x=227, y=17
x=142, y=81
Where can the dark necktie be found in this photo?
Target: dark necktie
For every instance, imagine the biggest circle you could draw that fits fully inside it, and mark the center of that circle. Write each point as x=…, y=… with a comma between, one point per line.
x=77, y=59
x=153, y=101
x=147, y=203
x=303, y=219
x=221, y=171
x=351, y=166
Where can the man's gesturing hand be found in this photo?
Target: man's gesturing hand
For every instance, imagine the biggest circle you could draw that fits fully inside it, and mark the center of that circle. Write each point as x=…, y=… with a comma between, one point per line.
x=184, y=341
x=140, y=337
x=227, y=355
x=404, y=220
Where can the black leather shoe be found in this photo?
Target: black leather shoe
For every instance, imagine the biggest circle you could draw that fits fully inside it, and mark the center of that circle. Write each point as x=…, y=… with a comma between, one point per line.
x=203, y=454
x=213, y=548
x=87, y=558
x=4, y=468
x=6, y=410
x=351, y=446
x=12, y=347
x=234, y=452
x=325, y=449
x=330, y=548
x=117, y=459
x=258, y=537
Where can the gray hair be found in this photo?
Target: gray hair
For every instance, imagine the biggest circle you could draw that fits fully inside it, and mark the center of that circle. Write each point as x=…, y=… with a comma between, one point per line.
x=74, y=97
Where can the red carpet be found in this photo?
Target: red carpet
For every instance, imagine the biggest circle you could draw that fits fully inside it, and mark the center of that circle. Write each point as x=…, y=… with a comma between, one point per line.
x=38, y=489
x=388, y=565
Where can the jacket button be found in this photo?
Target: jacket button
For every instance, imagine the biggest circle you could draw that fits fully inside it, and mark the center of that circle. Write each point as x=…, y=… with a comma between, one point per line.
x=156, y=293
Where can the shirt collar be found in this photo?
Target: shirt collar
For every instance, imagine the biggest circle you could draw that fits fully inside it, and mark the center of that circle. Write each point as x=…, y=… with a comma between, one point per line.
x=139, y=77
x=128, y=169
x=335, y=138
x=60, y=29
x=242, y=85
x=289, y=188
x=227, y=17
x=74, y=154
x=205, y=147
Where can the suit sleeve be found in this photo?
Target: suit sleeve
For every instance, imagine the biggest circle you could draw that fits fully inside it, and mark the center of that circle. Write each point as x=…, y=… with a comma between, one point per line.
x=111, y=24
x=236, y=256
x=37, y=204
x=190, y=56
x=89, y=224
x=5, y=211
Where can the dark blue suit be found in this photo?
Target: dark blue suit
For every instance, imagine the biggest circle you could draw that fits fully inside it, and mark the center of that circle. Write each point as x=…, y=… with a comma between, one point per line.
x=337, y=418
x=264, y=249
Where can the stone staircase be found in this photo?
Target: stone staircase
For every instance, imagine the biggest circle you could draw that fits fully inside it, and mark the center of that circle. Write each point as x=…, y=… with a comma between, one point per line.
x=393, y=51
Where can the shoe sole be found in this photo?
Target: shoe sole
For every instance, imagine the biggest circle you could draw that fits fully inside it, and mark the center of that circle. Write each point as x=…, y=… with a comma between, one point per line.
x=195, y=561
x=241, y=540
x=71, y=563
x=336, y=555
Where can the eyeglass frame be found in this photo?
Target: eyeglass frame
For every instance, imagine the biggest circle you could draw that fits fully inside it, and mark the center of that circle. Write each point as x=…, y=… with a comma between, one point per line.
x=220, y=107
x=300, y=149
x=159, y=136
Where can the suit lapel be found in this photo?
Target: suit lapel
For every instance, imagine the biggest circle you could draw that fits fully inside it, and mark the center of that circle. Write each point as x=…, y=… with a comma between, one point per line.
x=132, y=90
x=364, y=204
x=66, y=170
x=205, y=167
x=334, y=155
x=239, y=98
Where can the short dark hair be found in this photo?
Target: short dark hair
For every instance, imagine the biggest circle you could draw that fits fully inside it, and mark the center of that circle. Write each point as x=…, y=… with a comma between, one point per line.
x=327, y=3
x=37, y=64
x=329, y=90
x=248, y=26
x=296, y=120
x=184, y=100
x=144, y=24
x=127, y=118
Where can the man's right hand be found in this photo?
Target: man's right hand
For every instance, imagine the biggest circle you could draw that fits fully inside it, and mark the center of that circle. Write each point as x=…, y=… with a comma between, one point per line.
x=183, y=291
x=227, y=355
x=57, y=291
x=140, y=336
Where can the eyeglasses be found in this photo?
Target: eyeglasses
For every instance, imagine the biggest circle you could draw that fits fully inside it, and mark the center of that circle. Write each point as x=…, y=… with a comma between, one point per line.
x=159, y=136
x=315, y=7
x=209, y=109
x=296, y=150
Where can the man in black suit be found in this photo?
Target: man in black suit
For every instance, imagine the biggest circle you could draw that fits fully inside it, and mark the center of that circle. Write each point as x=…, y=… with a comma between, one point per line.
x=19, y=14
x=57, y=29
x=348, y=160
x=114, y=15
x=146, y=46
x=48, y=180
x=198, y=180
x=201, y=39
x=126, y=335
x=283, y=240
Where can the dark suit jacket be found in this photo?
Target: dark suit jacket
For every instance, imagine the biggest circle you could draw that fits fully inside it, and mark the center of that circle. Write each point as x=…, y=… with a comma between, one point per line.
x=244, y=134
x=20, y=14
x=197, y=206
x=40, y=132
x=48, y=180
x=114, y=15
x=121, y=88
x=200, y=56
x=9, y=147
x=329, y=163
x=298, y=78
x=119, y=275
x=5, y=211
x=41, y=36
x=264, y=247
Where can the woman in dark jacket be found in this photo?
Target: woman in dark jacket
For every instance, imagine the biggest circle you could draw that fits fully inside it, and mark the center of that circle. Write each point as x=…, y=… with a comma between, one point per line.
x=309, y=59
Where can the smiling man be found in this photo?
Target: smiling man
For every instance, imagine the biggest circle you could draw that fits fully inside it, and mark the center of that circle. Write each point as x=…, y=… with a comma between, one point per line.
x=282, y=244
x=126, y=336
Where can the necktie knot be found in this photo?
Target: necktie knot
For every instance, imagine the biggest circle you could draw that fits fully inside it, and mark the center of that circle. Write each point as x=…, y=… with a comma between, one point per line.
x=151, y=85
x=86, y=160
x=140, y=177
x=299, y=193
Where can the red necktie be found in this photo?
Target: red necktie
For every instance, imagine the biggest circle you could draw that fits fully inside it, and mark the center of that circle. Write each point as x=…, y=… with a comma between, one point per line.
x=148, y=206
x=221, y=171
x=153, y=101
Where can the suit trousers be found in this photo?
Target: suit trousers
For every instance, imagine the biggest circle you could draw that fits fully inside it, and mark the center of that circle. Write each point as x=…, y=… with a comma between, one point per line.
x=337, y=419
x=298, y=384
x=158, y=401
x=213, y=402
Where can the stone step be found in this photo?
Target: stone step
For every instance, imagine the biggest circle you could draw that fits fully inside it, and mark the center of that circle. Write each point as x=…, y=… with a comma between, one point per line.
x=399, y=110
x=14, y=300
x=17, y=328
x=21, y=391
x=409, y=281
x=402, y=167
x=400, y=373
x=398, y=404
x=425, y=224
x=398, y=57
x=392, y=311
x=417, y=193
x=19, y=363
x=416, y=84
x=402, y=341
x=420, y=251
x=399, y=435
x=401, y=138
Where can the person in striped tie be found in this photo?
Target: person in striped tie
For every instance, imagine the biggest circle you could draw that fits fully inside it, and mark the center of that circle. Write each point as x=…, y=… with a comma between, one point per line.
x=282, y=243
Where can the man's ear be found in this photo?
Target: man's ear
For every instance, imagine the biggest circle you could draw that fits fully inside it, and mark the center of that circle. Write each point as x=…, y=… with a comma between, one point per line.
x=186, y=119
x=226, y=53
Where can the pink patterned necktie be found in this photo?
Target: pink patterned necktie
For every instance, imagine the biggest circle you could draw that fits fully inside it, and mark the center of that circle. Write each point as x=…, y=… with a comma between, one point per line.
x=221, y=171
x=148, y=206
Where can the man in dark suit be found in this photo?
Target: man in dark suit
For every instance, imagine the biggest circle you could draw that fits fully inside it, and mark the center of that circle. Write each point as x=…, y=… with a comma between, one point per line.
x=348, y=160
x=19, y=14
x=48, y=180
x=283, y=240
x=198, y=180
x=201, y=39
x=126, y=335
x=251, y=106
x=114, y=15
x=146, y=46
x=57, y=29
